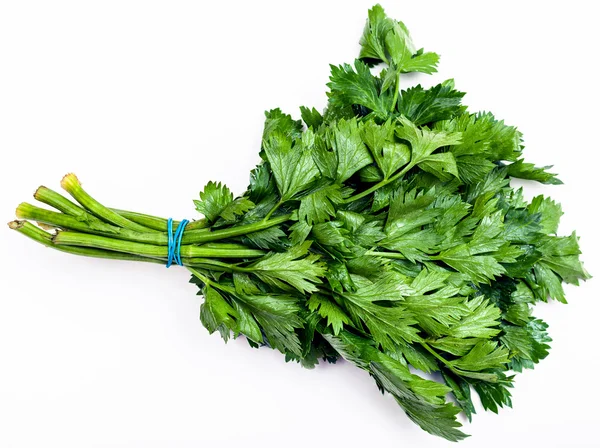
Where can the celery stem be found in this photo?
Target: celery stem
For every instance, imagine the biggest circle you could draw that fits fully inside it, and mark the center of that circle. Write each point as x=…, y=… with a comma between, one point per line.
x=31, y=212
x=72, y=185
x=150, y=250
x=42, y=237
x=156, y=223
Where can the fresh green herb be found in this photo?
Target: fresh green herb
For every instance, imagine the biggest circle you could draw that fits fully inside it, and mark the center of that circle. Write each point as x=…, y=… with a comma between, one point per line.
x=383, y=231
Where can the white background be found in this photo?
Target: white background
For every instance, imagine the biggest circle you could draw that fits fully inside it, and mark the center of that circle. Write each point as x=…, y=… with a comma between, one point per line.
x=146, y=102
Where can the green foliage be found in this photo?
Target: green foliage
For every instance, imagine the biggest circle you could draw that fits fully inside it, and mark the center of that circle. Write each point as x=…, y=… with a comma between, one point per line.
x=406, y=245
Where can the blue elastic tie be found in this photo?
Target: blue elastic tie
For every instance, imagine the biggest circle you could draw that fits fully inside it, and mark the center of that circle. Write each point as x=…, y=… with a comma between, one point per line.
x=175, y=242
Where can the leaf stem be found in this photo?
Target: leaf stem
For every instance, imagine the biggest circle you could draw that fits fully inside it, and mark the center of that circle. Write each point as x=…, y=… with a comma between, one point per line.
x=439, y=357
x=208, y=263
x=396, y=91
x=378, y=185
x=484, y=376
x=210, y=282
x=205, y=235
x=273, y=210
x=394, y=255
x=201, y=276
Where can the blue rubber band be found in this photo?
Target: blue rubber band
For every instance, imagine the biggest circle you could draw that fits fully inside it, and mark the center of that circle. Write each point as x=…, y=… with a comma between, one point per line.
x=174, y=251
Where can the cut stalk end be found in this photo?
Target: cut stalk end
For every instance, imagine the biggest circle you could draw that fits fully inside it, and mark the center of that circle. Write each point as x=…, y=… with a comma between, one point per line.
x=15, y=225
x=23, y=210
x=39, y=193
x=69, y=181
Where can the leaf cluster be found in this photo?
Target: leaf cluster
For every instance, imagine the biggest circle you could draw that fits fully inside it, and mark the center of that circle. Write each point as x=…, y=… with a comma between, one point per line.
x=406, y=247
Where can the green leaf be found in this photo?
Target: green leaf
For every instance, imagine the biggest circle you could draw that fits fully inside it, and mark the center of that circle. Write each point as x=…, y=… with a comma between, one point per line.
x=363, y=233
x=319, y=206
x=436, y=419
x=339, y=278
x=324, y=156
x=295, y=268
x=481, y=322
x=461, y=391
x=379, y=306
x=422, y=400
x=246, y=323
x=484, y=355
x=261, y=183
x=483, y=137
x=389, y=155
x=244, y=284
x=479, y=268
x=409, y=210
x=369, y=267
x=279, y=123
x=311, y=117
x=494, y=182
x=494, y=395
x=455, y=346
x=403, y=54
x=415, y=245
x=561, y=255
x=214, y=199
x=549, y=212
x=526, y=343
x=330, y=233
x=271, y=238
x=217, y=314
x=421, y=106
x=357, y=86
x=548, y=284
x=328, y=309
x=372, y=41
x=419, y=358
x=236, y=208
x=293, y=166
x=472, y=169
x=423, y=142
x=352, y=153
x=299, y=232
x=278, y=318
x=423, y=62
x=436, y=304
x=524, y=170
x=385, y=40
x=521, y=226
x=443, y=166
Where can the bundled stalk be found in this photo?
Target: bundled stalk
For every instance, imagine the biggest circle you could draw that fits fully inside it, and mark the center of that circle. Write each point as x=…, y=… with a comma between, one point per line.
x=383, y=231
